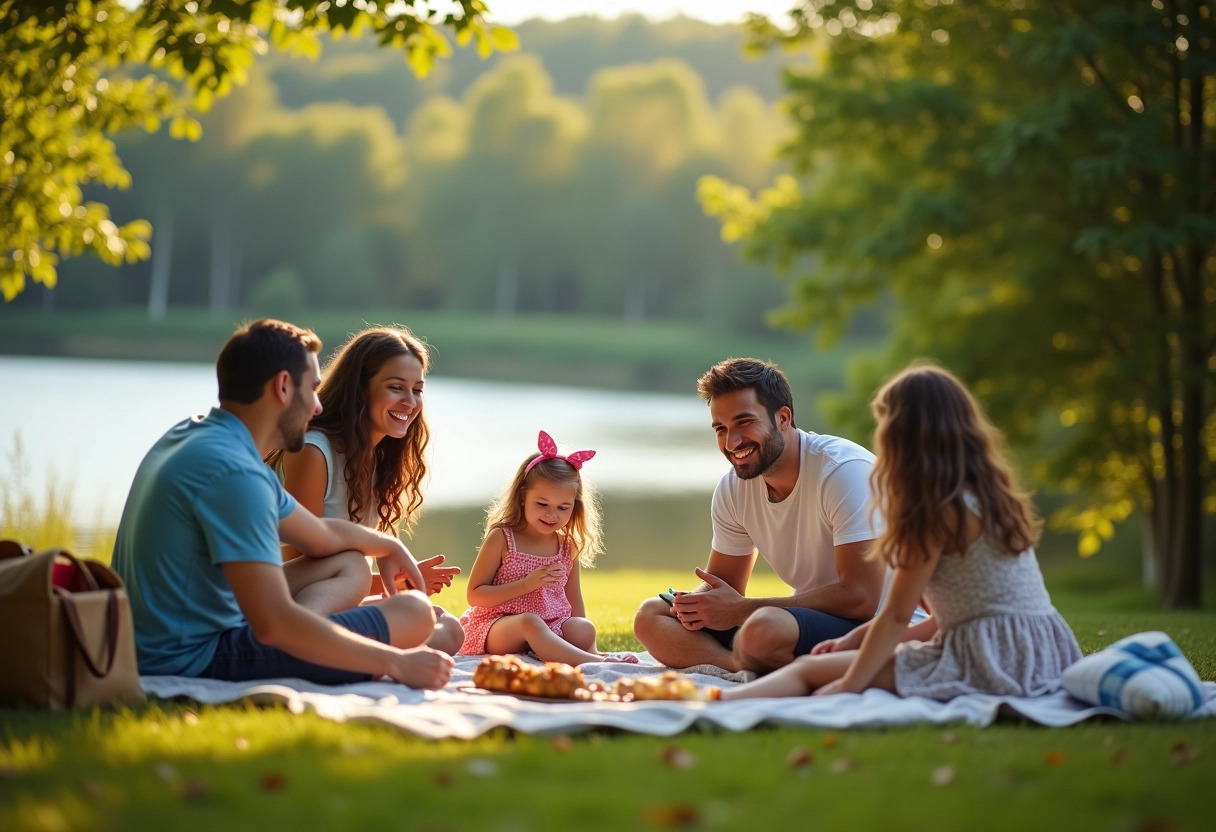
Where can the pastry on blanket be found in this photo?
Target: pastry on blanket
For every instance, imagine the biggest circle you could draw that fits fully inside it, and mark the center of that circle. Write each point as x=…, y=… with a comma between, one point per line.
x=669, y=684
x=509, y=674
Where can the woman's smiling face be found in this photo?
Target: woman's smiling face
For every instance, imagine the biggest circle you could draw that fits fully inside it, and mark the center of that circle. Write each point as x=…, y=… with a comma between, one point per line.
x=394, y=397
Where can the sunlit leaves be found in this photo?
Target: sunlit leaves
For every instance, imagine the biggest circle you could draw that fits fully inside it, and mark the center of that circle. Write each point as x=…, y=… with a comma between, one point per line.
x=1020, y=190
x=73, y=74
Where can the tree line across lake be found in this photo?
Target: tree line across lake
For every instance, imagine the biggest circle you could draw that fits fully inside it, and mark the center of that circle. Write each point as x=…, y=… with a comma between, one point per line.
x=558, y=179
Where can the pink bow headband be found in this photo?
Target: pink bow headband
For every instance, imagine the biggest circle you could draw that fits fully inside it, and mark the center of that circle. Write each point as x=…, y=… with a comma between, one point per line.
x=548, y=450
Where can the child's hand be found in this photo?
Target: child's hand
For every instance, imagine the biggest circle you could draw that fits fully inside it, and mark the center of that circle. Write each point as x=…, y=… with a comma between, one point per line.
x=834, y=686
x=849, y=641
x=550, y=573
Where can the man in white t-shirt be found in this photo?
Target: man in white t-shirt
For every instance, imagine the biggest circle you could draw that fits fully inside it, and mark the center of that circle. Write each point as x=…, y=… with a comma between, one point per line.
x=803, y=501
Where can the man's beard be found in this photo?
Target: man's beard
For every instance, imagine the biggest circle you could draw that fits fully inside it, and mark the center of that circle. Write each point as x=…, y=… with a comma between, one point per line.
x=768, y=451
x=293, y=424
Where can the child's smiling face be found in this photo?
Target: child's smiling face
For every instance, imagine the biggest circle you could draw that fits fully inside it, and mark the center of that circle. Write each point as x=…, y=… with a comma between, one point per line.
x=548, y=506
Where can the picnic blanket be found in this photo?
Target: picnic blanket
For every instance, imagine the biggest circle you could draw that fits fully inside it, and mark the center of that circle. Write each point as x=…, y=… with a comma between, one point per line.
x=462, y=711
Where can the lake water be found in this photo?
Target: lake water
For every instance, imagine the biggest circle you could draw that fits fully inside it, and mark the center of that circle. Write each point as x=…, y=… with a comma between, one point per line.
x=88, y=423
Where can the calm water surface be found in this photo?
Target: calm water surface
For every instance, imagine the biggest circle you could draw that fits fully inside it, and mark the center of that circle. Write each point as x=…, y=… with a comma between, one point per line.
x=89, y=423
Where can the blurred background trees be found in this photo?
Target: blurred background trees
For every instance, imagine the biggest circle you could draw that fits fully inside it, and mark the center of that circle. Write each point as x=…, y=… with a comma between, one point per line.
x=557, y=180
x=73, y=73
x=1027, y=190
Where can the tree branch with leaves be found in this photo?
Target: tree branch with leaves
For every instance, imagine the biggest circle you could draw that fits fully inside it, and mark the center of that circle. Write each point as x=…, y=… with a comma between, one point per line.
x=73, y=74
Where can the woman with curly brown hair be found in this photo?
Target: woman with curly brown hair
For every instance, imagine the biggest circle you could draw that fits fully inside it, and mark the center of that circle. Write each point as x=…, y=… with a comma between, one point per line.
x=364, y=454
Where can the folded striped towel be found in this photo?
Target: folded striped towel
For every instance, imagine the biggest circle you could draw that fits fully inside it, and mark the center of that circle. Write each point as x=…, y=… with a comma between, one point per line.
x=1144, y=675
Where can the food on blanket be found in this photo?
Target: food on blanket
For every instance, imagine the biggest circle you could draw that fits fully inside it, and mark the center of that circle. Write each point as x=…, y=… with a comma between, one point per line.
x=554, y=680
x=668, y=685
x=509, y=674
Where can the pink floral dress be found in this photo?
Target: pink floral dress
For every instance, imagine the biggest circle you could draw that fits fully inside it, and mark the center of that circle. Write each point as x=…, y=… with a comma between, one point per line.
x=549, y=601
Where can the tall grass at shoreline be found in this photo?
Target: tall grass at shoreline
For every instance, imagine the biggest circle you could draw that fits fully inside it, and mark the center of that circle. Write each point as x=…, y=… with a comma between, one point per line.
x=46, y=521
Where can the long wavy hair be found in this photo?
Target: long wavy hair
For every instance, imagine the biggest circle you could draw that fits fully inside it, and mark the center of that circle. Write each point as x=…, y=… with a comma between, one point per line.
x=934, y=444
x=507, y=510
x=393, y=483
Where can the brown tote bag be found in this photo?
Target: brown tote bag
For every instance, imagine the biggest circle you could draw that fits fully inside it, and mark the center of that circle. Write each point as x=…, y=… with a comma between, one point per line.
x=68, y=641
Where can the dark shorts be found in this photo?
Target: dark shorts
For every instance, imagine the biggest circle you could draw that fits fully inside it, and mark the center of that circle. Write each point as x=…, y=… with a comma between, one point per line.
x=241, y=658
x=813, y=627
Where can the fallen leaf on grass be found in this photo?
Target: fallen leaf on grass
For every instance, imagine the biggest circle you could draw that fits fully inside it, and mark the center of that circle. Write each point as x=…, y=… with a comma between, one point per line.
x=678, y=757
x=830, y=741
x=562, y=742
x=1055, y=758
x=443, y=779
x=843, y=764
x=1181, y=753
x=272, y=781
x=1120, y=756
x=1156, y=825
x=944, y=775
x=799, y=757
x=673, y=814
x=195, y=790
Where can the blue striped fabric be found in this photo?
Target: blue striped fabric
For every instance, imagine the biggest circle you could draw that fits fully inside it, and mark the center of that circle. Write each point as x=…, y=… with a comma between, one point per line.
x=1141, y=658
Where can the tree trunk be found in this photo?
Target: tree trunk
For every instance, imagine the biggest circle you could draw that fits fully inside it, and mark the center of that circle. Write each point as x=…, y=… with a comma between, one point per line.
x=221, y=263
x=506, y=290
x=162, y=261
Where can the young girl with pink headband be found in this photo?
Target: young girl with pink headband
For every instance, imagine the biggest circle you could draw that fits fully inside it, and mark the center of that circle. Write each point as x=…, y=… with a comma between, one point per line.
x=524, y=589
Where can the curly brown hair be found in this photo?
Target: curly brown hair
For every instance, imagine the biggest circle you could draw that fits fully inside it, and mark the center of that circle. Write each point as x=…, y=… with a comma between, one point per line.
x=934, y=444
x=398, y=465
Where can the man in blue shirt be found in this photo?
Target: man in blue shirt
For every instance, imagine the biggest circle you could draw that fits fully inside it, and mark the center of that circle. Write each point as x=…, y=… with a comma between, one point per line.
x=198, y=544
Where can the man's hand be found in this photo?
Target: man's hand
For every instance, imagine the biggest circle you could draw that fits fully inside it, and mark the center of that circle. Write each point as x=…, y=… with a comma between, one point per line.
x=435, y=576
x=421, y=668
x=716, y=606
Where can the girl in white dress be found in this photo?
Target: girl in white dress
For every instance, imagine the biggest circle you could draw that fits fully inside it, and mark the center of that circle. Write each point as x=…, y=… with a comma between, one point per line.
x=959, y=533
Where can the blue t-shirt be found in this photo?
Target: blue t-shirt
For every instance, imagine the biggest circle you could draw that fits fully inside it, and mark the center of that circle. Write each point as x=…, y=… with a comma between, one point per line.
x=202, y=497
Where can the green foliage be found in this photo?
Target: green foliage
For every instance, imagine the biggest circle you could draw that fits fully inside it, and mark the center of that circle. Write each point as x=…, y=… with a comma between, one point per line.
x=1031, y=189
x=73, y=73
x=279, y=294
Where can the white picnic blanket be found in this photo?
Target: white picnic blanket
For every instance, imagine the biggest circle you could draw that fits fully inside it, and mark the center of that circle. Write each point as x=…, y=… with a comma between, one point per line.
x=463, y=712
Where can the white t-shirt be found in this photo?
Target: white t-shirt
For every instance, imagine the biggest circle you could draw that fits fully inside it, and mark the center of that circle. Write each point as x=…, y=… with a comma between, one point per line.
x=829, y=506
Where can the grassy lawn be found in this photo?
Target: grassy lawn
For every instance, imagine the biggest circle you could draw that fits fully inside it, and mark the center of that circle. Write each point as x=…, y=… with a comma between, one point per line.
x=182, y=766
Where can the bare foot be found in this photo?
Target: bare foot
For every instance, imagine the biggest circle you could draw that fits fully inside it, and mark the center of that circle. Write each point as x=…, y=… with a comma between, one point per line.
x=619, y=658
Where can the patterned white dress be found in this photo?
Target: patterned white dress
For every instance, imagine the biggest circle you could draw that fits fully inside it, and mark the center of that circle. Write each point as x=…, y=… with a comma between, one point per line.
x=549, y=601
x=997, y=630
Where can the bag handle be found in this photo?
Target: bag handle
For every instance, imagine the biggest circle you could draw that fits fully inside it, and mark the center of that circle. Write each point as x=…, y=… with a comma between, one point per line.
x=82, y=569
x=111, y=638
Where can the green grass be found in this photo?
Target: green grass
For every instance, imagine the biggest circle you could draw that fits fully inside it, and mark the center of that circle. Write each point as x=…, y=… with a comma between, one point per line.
x=184, y=766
